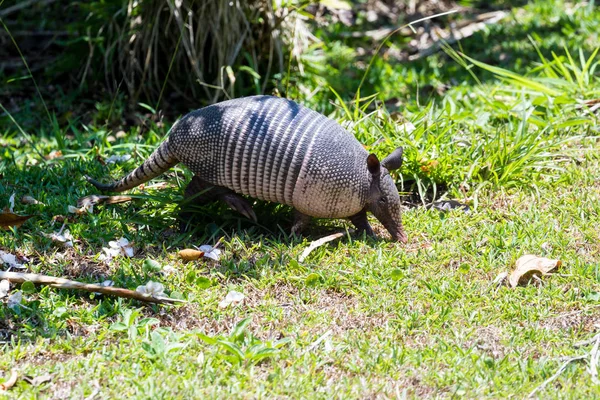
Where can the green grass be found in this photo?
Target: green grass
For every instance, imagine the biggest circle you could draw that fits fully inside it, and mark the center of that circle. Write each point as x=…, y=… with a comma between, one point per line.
x=360, y=318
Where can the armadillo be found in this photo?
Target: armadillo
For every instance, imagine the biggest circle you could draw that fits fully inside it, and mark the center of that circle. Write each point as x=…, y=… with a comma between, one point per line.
x=276, y=150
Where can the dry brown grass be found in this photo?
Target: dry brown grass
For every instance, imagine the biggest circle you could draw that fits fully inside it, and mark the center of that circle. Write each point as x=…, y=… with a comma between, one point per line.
x=189, y=49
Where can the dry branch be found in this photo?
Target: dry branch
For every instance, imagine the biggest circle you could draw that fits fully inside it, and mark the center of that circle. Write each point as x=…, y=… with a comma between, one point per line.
x=62, y=283
x=453, y=36
x=22, y=5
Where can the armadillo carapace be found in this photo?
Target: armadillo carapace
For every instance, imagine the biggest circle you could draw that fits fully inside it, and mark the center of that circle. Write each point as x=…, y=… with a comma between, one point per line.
x=274, y=149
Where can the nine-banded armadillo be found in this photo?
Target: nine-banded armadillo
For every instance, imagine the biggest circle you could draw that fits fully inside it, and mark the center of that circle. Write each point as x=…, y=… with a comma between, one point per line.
x=277, y=150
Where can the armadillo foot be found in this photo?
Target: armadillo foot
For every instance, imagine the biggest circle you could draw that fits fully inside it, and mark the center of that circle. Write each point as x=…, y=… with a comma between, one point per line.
x=301, y=221
x=361, y=223
x=239, y=204
x=202, y=192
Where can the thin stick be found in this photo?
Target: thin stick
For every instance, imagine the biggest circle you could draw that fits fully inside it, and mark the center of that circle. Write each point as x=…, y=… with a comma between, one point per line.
x=450, y=37
x=556, y=375
x=318, y=341
x=587, y=342
x=317, y=243
x=62, y=283
x=594, y=355
x=21, y=5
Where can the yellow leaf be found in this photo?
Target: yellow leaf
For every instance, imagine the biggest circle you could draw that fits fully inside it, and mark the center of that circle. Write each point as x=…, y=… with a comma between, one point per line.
x=190, y=254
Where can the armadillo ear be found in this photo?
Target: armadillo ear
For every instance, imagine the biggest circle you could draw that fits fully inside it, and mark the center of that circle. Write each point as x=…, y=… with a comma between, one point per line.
x=394, y=160
x=373, y=164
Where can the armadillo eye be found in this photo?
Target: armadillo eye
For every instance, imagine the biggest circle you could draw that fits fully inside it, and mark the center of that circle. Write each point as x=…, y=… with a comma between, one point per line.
x=382, y=200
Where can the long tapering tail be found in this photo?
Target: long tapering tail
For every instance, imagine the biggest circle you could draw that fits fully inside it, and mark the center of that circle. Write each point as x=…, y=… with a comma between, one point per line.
x=159, y=162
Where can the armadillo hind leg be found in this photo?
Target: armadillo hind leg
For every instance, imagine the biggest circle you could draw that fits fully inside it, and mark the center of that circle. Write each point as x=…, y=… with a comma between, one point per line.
x=361, y=223
x=200, y=192
x=301, y=222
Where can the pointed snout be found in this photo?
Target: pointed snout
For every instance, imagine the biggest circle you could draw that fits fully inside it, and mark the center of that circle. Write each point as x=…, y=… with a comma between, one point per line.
x=397, y=233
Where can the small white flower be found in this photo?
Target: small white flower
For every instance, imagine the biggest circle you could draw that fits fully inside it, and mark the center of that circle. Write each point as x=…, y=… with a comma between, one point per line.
x=11, y=203
x=115, y=248
x=232, y=297
x=168, y=269
x=154, y=289
x=4, y=288
x=15, y=299
x=66, y=239
x=10, y=260
x=115, y=158
x=123, y=246
x=210, y=252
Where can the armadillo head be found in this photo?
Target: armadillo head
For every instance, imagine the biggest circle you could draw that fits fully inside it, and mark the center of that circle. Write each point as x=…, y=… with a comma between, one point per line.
x=384, y=200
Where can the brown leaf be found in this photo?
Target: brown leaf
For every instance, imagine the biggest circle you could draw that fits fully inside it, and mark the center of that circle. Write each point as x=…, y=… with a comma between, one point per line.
x=8, y=219
x=190, y=254
x=10, y=382
x=528, y=266
x=99, y=199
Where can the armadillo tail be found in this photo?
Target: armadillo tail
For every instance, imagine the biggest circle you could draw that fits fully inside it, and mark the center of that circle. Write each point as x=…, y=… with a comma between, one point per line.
x=159, y=162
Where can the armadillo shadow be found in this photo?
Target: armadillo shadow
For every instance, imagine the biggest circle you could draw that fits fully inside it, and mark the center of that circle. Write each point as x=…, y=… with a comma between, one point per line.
x=273, y=221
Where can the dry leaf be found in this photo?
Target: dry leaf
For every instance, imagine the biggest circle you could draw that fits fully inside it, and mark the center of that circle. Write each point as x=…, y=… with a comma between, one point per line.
x=10, y=382
x=30, y=200
x=190, y=254
x=8, y=219
x=92, y=200
x=528, y=266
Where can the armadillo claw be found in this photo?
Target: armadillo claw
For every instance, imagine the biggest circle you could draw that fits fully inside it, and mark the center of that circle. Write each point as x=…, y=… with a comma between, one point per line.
x=241, y=205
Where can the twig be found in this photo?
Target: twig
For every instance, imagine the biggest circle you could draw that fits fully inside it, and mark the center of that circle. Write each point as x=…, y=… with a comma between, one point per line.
x=10, y=382
x=21, y=5
x=594, y=356
x=587, y=342
x=62, y=283
x=317, y=243
x=451, y=36
x=556, y=375
x=318, y=341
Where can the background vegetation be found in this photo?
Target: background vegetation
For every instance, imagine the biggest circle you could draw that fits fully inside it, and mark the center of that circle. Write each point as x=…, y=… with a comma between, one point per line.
x=502, y=121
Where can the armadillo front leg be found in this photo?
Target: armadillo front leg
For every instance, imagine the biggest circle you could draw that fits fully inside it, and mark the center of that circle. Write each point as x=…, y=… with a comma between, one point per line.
x=301, y=221
x=202, y=192
x=361, y=223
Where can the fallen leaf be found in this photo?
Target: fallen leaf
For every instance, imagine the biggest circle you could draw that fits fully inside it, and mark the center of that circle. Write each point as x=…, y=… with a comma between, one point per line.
x=11, y=203
x=30, y=200
x=190, y=254
x=4, y=288
x=8, y=219
x=530, y=265
x=318, y=243
x=15, y=299
x=10, y=382
x=153, y=289
x=10, y=260
x=92, y=200
x=210, y=252
x=81, y=210
x=232, y=297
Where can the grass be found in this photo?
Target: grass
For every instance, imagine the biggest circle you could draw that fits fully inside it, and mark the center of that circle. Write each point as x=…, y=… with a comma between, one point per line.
x=360, y=318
